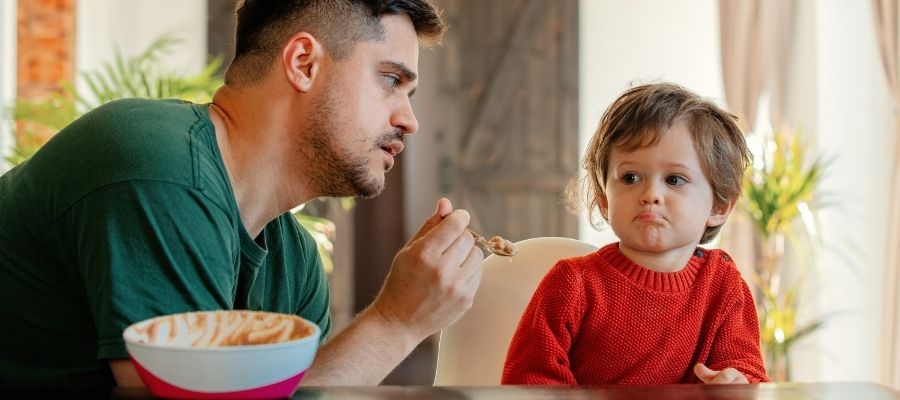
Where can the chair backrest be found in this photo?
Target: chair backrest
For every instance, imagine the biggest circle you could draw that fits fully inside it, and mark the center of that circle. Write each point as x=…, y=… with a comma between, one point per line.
x=472, y=350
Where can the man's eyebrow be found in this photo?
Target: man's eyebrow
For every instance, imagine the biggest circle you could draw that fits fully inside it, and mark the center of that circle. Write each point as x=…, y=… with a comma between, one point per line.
x=401, y=68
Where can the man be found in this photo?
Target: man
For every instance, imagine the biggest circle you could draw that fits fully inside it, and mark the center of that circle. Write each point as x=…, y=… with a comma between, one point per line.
x=142, y=207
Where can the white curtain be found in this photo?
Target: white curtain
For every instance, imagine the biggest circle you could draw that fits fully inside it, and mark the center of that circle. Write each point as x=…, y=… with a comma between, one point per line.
x=756, y=38
x=886, y=18
x=756, y=41
x=744, y=56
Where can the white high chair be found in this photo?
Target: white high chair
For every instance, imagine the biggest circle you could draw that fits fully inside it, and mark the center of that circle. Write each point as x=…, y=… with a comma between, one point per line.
x=472, y=350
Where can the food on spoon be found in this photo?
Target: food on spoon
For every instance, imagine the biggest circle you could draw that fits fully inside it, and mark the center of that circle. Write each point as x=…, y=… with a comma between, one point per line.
x=502, y=247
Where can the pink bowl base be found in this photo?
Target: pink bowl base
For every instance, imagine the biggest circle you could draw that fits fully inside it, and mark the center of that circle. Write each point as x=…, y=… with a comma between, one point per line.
x=160, y=388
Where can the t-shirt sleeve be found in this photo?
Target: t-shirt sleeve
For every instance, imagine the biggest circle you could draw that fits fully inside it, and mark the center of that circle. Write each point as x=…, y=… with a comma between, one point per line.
x=539, y=351
x=315, y=300
x=737, y=342
x=147, y=248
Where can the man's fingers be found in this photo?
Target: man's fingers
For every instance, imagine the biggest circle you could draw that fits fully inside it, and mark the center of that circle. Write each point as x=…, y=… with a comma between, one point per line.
x=471, y=268
x=705, y=374
x=444, y=208
x=460, y=249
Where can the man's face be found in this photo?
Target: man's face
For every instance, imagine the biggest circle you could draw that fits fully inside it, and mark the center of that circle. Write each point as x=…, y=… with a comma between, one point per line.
x=362, y=114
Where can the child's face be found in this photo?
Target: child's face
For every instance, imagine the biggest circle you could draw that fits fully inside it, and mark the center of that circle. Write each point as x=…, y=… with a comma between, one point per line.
x=657, y=198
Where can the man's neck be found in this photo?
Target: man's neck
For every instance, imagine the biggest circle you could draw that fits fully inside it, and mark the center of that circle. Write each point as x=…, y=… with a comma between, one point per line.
x=251, y=132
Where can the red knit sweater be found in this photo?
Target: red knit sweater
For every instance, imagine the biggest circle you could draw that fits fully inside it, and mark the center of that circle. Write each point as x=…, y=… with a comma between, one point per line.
x=602, y=319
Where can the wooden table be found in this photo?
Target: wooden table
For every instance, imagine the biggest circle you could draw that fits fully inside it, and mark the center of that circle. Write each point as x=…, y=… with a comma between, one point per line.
x=811, y=391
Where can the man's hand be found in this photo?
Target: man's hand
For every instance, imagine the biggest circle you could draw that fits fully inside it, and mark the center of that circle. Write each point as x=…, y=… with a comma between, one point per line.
x=431, y=284
x=433, y=279
x=725, y=376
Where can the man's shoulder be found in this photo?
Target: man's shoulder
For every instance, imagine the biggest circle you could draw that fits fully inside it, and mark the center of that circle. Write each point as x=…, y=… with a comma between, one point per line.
x=130, y=140
x=136, y=139
x=137, y=107
x=141, y=121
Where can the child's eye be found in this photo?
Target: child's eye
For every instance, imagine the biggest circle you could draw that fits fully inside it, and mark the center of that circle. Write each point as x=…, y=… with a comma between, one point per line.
x=675, y=180
x=630, y=179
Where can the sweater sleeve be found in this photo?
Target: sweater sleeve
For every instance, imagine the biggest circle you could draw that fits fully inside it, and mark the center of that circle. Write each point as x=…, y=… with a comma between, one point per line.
x=737, y=343
x=539, y=351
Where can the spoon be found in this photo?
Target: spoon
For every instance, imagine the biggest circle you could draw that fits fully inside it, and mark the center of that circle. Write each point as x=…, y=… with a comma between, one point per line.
x=496, y=245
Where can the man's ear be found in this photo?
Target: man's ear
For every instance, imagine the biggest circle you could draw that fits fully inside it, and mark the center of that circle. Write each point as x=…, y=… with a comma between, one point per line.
x=302, y=59
x=720, y=212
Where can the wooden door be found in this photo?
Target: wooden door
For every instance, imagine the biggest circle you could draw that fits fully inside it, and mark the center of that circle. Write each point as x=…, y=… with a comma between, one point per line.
x=510, y=87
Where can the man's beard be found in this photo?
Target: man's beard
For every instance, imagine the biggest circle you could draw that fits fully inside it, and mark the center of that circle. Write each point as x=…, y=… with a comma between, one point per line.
x=337, y=172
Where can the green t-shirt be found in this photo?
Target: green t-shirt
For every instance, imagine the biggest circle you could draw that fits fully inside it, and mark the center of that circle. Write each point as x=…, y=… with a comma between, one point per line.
x=126, y=214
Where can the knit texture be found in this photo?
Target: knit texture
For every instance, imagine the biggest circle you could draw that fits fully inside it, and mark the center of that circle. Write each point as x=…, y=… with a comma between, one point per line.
x=602, y=319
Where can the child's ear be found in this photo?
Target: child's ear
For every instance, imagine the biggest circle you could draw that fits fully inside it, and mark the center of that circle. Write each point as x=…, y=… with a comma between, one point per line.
x=604, y=207
x=719, y=213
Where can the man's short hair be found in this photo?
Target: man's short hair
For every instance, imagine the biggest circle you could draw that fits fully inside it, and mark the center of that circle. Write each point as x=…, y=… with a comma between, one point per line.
x=264, y=26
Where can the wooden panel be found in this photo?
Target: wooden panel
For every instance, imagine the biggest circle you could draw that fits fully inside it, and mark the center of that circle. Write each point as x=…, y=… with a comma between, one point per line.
x=220, y=25
x=515, y=113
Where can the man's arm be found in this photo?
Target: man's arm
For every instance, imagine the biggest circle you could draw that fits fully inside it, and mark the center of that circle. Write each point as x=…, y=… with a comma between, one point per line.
x=362, y=354
x=432, y=283
x=124, y=372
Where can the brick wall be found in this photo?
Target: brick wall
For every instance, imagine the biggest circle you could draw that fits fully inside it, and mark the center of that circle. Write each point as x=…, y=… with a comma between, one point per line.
x=45, y=46
x=45, y=56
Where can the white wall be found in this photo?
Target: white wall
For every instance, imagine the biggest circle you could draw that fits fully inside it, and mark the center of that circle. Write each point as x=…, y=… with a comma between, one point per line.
x=7, y=75
x=854, y=124
x=130, y=26
x=625, y=42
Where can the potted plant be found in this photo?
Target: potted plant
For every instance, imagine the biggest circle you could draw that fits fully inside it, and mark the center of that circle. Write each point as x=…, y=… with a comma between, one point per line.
x=780, y=199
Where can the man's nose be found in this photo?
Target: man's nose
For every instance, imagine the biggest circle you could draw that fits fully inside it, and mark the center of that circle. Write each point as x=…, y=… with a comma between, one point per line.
x=405, y=119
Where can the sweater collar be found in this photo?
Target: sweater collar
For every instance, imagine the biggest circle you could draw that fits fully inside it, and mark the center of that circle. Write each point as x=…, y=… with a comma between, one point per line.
x=659, y=281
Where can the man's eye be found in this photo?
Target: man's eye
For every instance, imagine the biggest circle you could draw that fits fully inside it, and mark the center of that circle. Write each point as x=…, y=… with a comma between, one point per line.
x=630, y=179
x=391, y=80
x=675, y=180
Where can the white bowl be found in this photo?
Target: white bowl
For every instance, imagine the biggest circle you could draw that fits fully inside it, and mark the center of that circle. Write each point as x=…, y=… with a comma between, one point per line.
x=222, y=354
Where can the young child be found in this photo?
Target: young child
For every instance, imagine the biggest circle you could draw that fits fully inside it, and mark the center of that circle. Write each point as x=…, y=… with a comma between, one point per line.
x=664, y=169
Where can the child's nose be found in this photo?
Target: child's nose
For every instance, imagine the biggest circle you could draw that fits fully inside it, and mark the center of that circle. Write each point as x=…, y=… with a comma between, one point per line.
x=652, y=195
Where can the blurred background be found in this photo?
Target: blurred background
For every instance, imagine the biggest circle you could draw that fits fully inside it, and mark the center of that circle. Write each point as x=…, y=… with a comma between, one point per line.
x=506, y=107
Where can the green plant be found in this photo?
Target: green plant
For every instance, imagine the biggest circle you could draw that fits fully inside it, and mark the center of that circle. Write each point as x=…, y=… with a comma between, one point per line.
x=143, y=75
x=139, y=76
x=778, y=191
x=322, y=229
